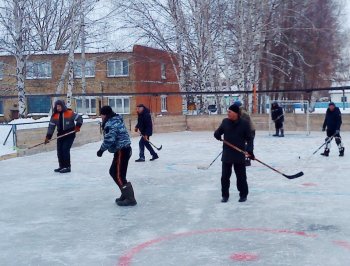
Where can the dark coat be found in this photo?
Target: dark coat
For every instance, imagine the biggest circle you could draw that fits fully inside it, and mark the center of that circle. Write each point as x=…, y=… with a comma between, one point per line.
x=277, y=113
x=332, y=120
x=238, y=133
x=144, y=122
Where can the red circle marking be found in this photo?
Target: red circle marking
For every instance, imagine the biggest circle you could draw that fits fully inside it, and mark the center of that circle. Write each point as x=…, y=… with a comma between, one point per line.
x=309, y=184
x=244, y=257
x=126, y=259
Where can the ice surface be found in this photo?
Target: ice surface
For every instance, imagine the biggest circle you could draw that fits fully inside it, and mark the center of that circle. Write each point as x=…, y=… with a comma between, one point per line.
x=48, y=218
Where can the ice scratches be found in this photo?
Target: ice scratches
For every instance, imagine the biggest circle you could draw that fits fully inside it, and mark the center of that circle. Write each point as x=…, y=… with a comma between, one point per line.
x=321, y=227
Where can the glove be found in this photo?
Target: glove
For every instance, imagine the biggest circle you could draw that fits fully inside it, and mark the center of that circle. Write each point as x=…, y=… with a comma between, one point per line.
x=323, y=129
x=337, y=132
x=218, y=137
x=251, y=155
x=146, y=137
x=136, y=129
x=99, y=153
x=77, y=129
x=47, y=140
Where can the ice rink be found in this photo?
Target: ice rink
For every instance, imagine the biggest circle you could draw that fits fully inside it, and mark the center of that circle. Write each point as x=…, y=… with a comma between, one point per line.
x=48, y=218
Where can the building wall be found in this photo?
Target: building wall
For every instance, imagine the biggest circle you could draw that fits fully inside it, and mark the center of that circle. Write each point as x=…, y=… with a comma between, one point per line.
x=148, y=74
x=144, y=76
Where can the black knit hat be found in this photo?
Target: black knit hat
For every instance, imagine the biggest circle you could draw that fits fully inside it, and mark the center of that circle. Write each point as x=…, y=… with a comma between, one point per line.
x=106, y=110
x=331, y=103
x=234, y=108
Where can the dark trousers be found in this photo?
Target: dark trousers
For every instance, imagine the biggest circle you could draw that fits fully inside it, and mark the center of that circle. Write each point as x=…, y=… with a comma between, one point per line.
x=241, y=176
x=278, y=124
x=64, y=145
x=144, y=143
x=119, y=166
x=337, y=137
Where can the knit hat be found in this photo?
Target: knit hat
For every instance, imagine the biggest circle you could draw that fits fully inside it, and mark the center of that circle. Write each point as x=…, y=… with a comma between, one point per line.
x=238, y=103
x=234, y=108
x=331, y=103
x=106, y=110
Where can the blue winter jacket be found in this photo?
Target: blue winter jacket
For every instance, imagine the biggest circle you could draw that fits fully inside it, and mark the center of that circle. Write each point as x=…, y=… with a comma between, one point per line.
x=116, y=135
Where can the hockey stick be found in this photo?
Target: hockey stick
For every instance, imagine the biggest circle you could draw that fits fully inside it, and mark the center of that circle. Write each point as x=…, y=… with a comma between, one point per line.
x=41, y=143
x=256, y=159
x=207, y=166
x=152, y=143
x=329, y=139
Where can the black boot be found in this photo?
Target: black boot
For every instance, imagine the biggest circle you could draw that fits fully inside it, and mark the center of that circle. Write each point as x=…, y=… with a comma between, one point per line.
x=128, y=193
x=224, y=199
x=277, y=131
x=65, y=170
x=341, y=151
x=326, y=152
x=282, y=133
x=154, y=157
x=247, y=161
x=58, y=169
x=140, y=160
x=121, y=198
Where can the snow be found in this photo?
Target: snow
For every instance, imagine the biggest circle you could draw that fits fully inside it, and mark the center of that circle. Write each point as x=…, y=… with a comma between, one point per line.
x=49, y=218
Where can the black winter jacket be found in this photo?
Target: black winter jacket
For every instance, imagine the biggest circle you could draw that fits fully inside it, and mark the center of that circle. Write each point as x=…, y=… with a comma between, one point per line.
x=277, y=114
x=238, y=133
x=144, y=122
x=332, y=120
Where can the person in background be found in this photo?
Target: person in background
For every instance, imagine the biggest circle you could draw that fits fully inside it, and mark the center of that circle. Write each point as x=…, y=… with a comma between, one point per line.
x=145, y=127
x=277, y=117
x=117, y=141
x=67, y=123
x=333, y=122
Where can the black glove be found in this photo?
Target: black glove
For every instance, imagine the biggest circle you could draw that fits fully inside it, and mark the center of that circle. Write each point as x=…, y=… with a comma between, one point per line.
x=251, y=155
x=99, y=153
x=218, y=137
x=323, y=129
x=47, y=140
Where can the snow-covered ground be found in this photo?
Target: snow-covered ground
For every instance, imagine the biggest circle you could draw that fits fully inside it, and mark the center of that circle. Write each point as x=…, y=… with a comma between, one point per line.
x=71, y=219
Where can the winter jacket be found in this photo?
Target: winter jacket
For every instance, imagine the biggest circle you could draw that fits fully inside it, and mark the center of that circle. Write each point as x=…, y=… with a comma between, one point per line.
x=332, y=120
x=65, y=121
x=144, y=122
x=116, y=135
x=238, y=133
x=277, y=113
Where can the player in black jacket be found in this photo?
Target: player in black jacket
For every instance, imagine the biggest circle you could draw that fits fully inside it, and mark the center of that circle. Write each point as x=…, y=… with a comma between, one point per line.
x=277, y=117
x=333, y=122
x=238, y=132
x=145, y=126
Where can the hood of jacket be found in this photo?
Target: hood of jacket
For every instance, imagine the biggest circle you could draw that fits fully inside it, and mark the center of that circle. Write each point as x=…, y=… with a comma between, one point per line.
x=62, y=103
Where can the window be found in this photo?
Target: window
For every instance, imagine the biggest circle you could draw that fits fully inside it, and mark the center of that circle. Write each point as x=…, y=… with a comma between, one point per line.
x=90, y=104
x=38, y=70
x=117, y=68
x=163, y=71
x=163, y=103
x=39, y=104
x=1, y=107
x=1, y=70
x=89, y=68
x=120, y=105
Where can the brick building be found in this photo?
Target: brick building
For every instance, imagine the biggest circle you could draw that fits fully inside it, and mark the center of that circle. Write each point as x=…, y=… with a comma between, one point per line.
x=120, y=79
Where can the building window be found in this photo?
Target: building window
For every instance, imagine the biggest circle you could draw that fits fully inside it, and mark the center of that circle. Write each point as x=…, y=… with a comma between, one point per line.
x=38, y=70
x=163, y=103
x=89, y=68
x=1, y=108
x=1, y=70
x=38, y=104
x=90, y=104
x=163, y=71
x=117, y=68
x=120, y=105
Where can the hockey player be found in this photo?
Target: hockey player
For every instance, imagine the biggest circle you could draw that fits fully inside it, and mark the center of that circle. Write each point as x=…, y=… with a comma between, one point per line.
x=333, y=122
x=277, y=117
x=238, y=132
x=145, y=126
x=66, y=121
x=116, y=140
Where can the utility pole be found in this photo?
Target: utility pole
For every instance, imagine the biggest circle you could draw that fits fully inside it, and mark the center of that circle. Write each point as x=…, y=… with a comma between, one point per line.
x=83, y=58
